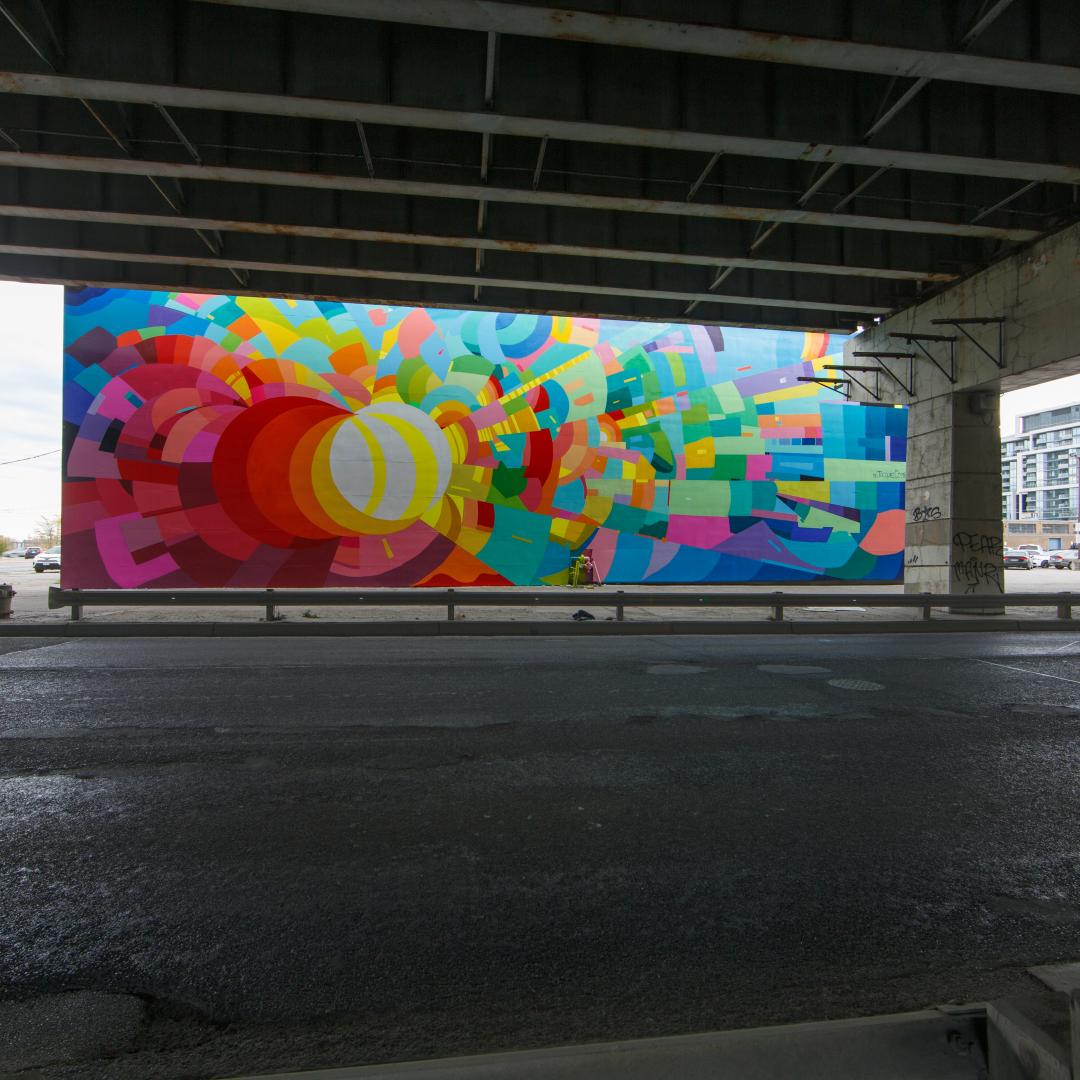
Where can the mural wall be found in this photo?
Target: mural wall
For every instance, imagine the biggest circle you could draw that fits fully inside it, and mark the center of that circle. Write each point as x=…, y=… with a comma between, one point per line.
x=242, y=441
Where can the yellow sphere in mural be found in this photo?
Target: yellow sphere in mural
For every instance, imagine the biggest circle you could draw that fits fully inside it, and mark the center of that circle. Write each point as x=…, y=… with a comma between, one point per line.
x=382, y=468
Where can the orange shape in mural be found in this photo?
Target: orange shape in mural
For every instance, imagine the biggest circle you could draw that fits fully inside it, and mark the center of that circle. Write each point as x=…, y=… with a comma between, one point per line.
x=886, y=535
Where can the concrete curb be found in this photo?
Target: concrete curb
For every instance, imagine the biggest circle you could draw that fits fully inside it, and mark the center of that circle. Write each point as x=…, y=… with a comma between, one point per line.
x=507, y=628
x=932, y=1045
x=1029, y=1037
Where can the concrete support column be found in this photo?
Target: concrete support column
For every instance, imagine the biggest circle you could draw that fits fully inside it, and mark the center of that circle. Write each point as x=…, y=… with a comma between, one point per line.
x=953, y=540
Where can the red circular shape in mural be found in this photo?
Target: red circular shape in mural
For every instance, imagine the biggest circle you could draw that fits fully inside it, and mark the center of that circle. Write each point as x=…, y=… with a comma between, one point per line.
x=275, y=454
x=241, y=454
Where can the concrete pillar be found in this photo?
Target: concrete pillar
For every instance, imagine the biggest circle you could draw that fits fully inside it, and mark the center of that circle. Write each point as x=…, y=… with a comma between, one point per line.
x=953, y=540
x=953, y=496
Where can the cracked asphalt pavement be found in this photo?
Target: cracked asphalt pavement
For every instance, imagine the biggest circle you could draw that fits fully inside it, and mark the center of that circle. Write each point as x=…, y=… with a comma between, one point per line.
x=279, y=854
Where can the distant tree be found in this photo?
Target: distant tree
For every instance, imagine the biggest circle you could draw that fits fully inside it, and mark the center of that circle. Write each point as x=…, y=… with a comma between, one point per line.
x=5, y=543
x=47, y=531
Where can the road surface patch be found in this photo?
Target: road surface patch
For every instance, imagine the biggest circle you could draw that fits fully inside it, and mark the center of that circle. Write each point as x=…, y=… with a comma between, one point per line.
x=855, y=684
x=793, y=669
x=674, y=669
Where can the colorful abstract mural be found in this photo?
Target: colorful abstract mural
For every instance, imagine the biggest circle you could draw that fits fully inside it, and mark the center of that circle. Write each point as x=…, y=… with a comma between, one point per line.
x=243, y=441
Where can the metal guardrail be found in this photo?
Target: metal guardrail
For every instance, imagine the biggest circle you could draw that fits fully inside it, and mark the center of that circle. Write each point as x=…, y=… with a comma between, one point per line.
x=620, y=599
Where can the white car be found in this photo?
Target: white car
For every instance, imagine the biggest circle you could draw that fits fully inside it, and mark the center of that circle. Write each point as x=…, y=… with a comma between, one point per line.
x=14, y=553
x=47, y=560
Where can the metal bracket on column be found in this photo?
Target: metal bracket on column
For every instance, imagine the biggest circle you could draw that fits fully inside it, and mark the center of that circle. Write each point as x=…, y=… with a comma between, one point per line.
x=840, y=386
x=999, y=320
x=909, y=386
x=949, y=339
x=875, y=393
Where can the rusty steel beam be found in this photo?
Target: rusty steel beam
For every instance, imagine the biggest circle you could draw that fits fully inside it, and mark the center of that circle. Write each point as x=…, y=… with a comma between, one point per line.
x=494, y=123
x=692, y=38
x=322, y=232
x=371, y=273
x=481, y=192
x=149, y=282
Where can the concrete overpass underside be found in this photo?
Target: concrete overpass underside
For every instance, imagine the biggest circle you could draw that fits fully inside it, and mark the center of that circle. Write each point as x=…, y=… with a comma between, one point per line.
x=907, y=167
x=769, y=162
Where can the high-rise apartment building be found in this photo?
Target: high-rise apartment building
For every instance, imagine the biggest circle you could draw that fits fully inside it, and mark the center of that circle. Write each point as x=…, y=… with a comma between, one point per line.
x=1040, y=481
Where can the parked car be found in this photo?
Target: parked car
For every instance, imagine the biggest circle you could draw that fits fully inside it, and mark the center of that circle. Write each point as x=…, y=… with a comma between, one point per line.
x=1036, y=554
x=47, y=560
x=14, y=553
x=30, y=552
x=1015, y=559
x=1063, y=560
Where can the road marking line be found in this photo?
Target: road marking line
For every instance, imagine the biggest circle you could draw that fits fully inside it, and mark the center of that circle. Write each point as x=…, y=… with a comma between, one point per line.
x=1062, y=648
x=1028, y=671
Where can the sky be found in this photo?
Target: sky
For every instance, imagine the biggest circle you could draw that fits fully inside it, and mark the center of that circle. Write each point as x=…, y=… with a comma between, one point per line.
x=1045, y=396
x=31, y=345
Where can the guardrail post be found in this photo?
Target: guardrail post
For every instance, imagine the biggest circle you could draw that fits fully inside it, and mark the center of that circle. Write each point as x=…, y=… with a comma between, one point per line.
x=619, y=607
x=76, y=609
x=1074, y=1025
x=778, y=609
x=1065, y=610
x=271, y=610
x=450, y=605
x=926, y=608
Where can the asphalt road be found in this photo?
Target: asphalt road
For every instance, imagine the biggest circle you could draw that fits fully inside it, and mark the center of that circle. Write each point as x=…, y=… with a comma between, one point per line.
x=290, y=853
